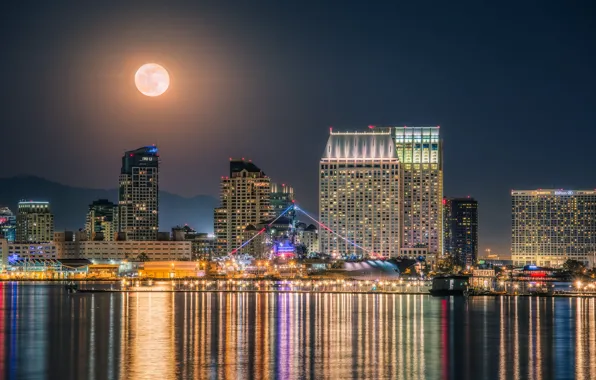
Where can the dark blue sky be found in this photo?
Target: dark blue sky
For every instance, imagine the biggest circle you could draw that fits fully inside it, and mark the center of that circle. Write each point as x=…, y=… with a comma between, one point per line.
x=510, y=83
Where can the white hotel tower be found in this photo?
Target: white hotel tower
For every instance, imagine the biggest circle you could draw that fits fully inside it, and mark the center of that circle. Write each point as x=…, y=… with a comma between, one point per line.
x=359, y=194
x=550, y=226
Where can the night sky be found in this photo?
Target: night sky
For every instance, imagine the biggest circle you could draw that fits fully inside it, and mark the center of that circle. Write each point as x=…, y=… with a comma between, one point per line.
x=510, y=83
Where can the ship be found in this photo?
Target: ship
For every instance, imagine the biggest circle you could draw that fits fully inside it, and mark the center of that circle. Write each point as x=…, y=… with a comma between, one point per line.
x=450, y=285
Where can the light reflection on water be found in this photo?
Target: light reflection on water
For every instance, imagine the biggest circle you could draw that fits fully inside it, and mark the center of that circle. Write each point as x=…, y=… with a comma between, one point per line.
x=45, y=333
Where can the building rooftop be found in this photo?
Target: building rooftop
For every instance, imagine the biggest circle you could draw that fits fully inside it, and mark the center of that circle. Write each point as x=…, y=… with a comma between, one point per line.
x=311, y=227
x=237, y=166
x=559, y=192
x=360, y=146
x=250, y=227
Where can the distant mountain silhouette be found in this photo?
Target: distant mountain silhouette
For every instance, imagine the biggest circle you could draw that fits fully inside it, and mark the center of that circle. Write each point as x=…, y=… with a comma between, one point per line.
x=70, y=204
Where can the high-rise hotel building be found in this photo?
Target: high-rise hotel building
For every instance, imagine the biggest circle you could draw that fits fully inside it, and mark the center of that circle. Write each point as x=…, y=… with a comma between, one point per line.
x=550, y=226
x=359, y=195
x=420, y=151
x=245, y=200
x=138, y=194
x=35, y=222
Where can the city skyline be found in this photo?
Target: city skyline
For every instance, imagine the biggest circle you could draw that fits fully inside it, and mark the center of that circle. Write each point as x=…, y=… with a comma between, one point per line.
x=298, y=190
x=271, y=93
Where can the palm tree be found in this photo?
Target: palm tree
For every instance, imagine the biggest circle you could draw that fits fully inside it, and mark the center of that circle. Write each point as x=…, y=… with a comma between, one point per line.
x=142, y=257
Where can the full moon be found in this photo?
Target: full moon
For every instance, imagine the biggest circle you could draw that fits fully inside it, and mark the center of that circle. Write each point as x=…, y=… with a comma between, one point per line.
x=152, y=79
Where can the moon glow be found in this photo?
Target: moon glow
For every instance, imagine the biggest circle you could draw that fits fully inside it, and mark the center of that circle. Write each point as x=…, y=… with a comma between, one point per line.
x=152, y=79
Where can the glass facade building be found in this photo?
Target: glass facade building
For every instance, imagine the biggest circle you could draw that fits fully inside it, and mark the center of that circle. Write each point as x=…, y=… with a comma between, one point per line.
x=550, y=226
x=282, y=197
x=461, y=230
x=420, y=153
x=138, y=203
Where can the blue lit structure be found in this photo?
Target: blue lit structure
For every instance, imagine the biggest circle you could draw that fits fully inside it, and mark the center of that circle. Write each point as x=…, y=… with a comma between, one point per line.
x=139, y=185
x=8, y=224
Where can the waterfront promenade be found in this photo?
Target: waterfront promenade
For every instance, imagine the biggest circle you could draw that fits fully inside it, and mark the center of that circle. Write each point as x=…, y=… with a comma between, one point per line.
x=290, y=286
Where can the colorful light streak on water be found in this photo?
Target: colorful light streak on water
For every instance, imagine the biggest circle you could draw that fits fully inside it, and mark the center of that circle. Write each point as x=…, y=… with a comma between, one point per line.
x=48, y=334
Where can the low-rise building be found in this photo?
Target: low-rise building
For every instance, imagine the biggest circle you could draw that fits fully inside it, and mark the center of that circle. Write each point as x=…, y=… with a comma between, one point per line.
x=419, y=254
x=170, y=269
x=26, y=251
x=309, y=236
x=125, y=250
x=203, y=244
x=483, y=278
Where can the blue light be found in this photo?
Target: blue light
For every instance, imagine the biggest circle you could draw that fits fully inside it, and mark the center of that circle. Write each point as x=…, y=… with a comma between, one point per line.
x=532, y=267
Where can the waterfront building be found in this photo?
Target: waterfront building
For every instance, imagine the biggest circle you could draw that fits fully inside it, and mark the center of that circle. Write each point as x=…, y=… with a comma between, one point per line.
x=244, y=201
x=359, y=195
x=308, y=236
x=420, y=254
x=12, y=252
x=203, y=244
x=35, y=222
x=461, y=230
x=551, y=226
x=138, y=197
x=8, y=224
x=175, y=269
x=483, y=278
x=105, y=251
x=101, y=221
x=420, y=153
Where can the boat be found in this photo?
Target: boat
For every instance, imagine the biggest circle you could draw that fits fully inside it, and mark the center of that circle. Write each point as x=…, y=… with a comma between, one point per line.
x=71, y=287
x=450, y=285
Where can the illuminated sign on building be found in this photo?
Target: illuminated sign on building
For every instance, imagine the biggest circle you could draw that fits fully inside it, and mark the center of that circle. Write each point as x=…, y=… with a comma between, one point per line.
x=568, y=192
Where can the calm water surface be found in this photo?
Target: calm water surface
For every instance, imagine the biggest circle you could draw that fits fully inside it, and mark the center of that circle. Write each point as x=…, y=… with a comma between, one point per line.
x=46, y=334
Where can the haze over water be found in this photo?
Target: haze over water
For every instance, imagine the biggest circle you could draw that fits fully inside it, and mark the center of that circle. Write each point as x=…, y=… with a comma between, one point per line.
x=45, y=333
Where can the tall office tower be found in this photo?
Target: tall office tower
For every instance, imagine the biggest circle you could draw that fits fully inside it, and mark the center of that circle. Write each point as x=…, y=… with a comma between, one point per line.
x=8, y=224
x=35, y=222
x=245, y=200
x=359, y=195
x=101, y=221
x=461, y=230
x=550, y=226
x=138, y=204
x=282, y=197
x=420, y=152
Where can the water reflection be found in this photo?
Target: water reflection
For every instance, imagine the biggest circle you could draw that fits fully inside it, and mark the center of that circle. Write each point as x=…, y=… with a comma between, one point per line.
x=45, y=333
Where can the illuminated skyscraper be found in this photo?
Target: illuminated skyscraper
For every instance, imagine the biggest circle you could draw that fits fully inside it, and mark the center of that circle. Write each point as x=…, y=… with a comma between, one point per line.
x=282, y=197
x=461, y=230
x=359, y=195
x=550, y=226
x=138, y=202
x=245, y=200
x=35, y=222
x=8, y=224
x=101, y=221
x=420, y=153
